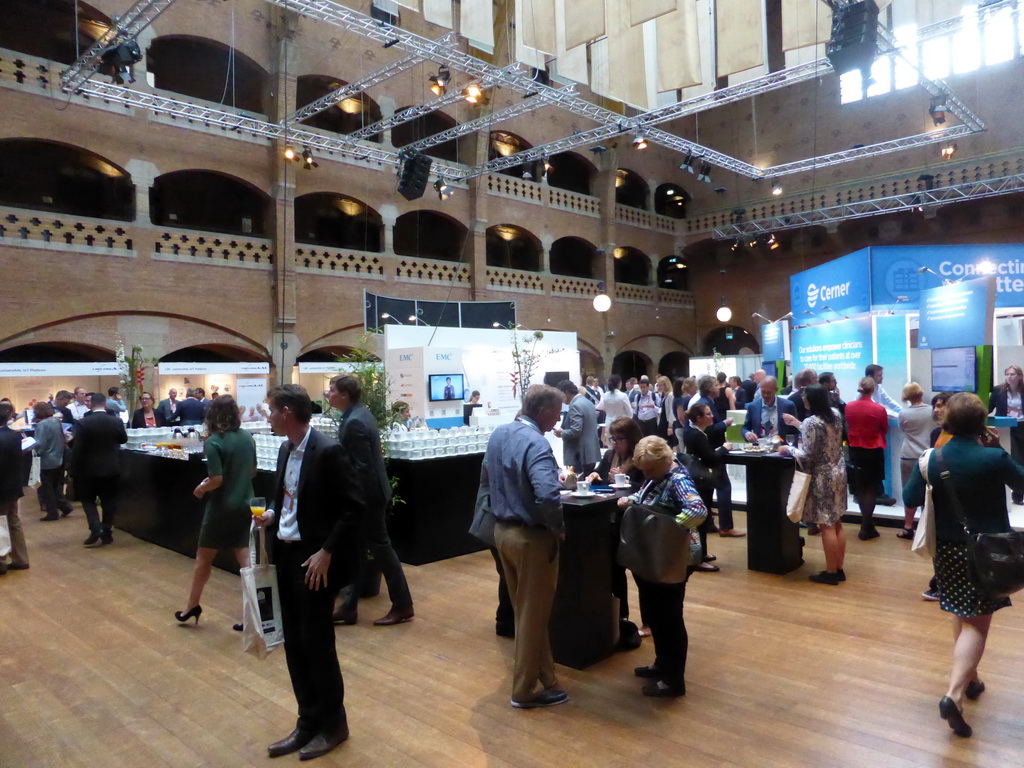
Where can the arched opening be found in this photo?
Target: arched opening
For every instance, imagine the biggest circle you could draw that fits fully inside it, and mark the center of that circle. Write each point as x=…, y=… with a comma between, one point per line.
x=674, y=365
x=46, y=28
x=632, y=266
x=428, y=125
x=630, y=189
x=346, y=116
x=213, y=353
x=570, y=171
x=730, y=340
x=430, y=235
x=47, y=176
x=56, y=352
x=629, y=363
x=503, y=144
x=323, y=355
x=208, y=70
x=573, y=256
x=338, y=221
x=513, y=247
x=591, y=364
x=208, y=200
x=673, y=274
x=670, y=200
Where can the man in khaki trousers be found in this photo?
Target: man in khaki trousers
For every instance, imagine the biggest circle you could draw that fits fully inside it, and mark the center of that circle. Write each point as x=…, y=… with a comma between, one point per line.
x=11, y=490
x=520, y=477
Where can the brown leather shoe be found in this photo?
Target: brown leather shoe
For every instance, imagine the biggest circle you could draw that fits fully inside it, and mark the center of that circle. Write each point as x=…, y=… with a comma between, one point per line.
x=323, y=743
x=732, y=533
x=395, y=616
x=293, y=742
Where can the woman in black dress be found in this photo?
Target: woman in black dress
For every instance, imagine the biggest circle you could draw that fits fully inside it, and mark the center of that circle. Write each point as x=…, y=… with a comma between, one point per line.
x=698, y=446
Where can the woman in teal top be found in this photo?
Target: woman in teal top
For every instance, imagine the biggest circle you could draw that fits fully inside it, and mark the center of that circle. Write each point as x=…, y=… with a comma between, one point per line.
x=980, y=476
x=231, y=465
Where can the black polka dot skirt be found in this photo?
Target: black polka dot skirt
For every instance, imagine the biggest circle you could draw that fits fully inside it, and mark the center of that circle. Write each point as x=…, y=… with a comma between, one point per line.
x=957, y=593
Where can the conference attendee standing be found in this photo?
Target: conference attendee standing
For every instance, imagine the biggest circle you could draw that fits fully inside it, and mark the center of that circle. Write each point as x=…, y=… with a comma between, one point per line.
x=168, y=408
x=979, y=477
x=79, y=406
x=614, y=402
x=1006, y=400
x=867, y=425
x=50, y=447
x=915, y=423
x=580, y=447
x=803, y=379
x=230, y=467
x=827, y=379
x=765, y=416
x=821, y=456
x=147, y=416
x=313, y=533
x=96, y=468
x=115, y=402
x=11, y=490
x=646, y=407
x=520, y=477
x=190, y=411
x=360, y=441
x=697, y=445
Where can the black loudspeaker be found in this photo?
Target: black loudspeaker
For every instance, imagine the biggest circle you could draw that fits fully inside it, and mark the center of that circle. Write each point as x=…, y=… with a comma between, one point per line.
x=415, y=175
x=853, y=43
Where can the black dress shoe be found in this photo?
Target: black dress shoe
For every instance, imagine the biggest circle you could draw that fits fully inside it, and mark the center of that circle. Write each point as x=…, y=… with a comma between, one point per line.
x=841, y=574
x=49, y=518
x=974, y=689
x=93, y=541
x=323, y=743
x=952, y=715
x=24, y=567
x=649, y=672
x=293, y=742
x=661, y=691
x=549, y=697
x=502, y=629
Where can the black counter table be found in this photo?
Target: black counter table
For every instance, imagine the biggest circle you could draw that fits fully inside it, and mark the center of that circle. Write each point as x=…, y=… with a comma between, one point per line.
x=773, y=540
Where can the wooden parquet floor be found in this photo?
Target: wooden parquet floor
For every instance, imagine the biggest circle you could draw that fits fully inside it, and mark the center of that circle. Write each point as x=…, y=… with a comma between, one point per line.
x=94, y=671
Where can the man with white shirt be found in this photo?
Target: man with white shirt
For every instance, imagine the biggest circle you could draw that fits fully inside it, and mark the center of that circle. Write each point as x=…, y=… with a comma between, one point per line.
x=80, y=405
x=647, y=408
x=314, y=535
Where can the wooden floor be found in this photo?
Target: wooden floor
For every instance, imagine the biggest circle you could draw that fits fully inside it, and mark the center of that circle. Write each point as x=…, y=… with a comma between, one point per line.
x=94, y=671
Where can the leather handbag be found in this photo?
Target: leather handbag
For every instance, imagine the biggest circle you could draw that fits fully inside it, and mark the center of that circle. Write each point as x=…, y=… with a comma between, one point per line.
x=702, y=476
x=653, y=545
x=995, y=561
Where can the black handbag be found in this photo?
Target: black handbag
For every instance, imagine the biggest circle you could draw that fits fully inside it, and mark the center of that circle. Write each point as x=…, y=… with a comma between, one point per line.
x=995, y=561
x=702, y=476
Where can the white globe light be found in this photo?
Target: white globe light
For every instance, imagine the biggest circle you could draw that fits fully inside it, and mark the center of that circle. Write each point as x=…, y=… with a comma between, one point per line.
x=602, y=302
x=724, y=314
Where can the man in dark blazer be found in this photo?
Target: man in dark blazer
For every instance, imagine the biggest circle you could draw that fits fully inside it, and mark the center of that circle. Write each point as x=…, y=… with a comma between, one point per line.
x=313, y=529
x=360, y=440
x=96, y=467
x=11, y=490
x=580, y=446
x=759, y=421
x=190, y=411
x=169, y=408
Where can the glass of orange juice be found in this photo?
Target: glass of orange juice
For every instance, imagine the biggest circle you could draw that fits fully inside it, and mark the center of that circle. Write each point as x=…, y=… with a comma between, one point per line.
x=258, y=505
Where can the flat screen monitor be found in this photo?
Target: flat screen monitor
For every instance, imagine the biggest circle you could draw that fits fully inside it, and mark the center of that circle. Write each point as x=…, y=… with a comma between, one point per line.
x=954, y=370
x=447, y=386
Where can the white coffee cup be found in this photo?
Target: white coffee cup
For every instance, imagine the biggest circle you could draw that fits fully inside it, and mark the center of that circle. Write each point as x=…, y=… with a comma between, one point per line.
x=583, y=487
x=622, y=479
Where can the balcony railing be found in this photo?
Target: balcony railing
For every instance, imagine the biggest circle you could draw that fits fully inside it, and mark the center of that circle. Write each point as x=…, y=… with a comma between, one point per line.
x=193, y=247
x=319, y=260
x=517, y=280
x=540, y=194
x=60, y=232
x=645, y=219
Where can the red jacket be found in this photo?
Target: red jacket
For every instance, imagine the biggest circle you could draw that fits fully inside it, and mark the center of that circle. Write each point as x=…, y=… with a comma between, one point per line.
x=867, y=423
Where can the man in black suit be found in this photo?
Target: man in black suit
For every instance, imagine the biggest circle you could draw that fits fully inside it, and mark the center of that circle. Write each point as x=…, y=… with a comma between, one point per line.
x=190, y=411
x=96, y=467
x=803, y=379
x=315, y=538
x=169, y=408
x=360, y=439
x=60, y=405
x=11, y=490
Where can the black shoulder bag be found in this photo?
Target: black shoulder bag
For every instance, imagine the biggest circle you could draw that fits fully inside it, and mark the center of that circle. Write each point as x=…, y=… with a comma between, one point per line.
x=995, y=561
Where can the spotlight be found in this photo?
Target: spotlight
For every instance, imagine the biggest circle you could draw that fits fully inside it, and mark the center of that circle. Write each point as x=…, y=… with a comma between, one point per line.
x=736, y=245
x=948, y=151
x=307, y=160
x=687, y=162
x=772, y=242
x=527, y=176
x=387, y=316
x=721, y=190
x=547, y=165
x=394, y=41
x=705, y=173
x=598, y=149
x=639, y=141
x=290, y=154
x=776, y=188
x=937, y=109
x=474, y=94
x=443, y=190
x=118, y=61
x=439, y=82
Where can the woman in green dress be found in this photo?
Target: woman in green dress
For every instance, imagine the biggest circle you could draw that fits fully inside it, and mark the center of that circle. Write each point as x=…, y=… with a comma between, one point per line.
x=231, y=465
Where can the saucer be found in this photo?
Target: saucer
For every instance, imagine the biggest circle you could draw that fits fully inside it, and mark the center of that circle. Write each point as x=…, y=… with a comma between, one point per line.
x=616, y=485
x=579, y=495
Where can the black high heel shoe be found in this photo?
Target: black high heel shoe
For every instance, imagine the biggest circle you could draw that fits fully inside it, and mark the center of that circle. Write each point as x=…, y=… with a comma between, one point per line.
x=183, y=617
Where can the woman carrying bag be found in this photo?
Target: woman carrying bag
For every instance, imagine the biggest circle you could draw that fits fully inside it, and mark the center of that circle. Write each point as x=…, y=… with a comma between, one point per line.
x=699, y=448
x=976, y=484
x=669, y=490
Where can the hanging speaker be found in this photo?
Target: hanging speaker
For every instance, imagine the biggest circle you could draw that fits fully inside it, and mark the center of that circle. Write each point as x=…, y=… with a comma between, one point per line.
x=412, y=182
x=853, y=43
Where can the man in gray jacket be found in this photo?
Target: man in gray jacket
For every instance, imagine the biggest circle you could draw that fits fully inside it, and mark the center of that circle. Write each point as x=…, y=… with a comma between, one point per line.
x=581, y=448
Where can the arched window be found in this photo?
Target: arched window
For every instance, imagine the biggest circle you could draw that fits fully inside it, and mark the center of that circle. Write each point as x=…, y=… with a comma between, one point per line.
x=338, y=221
x=46, y=28
x=674, y=365
x=632, y=266
x=47, y=176
x=428, y=125
x=429, y=234
x=573, y=256
x=730, y=340
x=513, y=247
x=56, y=352
x=213, y=353
x=630, y=189
x=670, y=200
x=207, y=200
x=629, y=364
x=673, y=274
x=206, y=69
x=346, y=116
x=570, y=171
x=503, y=144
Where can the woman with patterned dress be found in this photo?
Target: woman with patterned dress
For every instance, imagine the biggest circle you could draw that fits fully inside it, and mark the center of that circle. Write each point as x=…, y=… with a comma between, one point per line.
x=821, y=456
x=979, y=476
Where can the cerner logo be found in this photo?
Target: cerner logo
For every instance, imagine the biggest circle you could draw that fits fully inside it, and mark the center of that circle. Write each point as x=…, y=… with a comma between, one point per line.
x=826, y=292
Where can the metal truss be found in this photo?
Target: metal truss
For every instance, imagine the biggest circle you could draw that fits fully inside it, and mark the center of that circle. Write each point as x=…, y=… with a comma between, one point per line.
x=909, y=201
x=126, y=27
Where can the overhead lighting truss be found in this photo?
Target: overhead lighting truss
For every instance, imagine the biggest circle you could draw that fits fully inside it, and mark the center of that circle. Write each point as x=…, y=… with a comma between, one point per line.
x=976, y=190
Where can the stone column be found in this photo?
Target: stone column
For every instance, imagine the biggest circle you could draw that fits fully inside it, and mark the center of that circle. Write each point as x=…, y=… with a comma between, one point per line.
x=143, y=175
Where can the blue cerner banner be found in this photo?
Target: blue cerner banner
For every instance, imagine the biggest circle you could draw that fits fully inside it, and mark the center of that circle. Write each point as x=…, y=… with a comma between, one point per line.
x=957, y=315
x=840, y=287
x=775, y=341
x=844, y=348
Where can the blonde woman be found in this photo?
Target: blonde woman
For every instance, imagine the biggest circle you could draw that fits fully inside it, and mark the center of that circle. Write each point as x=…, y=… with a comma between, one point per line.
x=915, y=422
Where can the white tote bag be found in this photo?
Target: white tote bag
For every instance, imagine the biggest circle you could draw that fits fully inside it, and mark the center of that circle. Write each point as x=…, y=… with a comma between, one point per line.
x=35, y=475
x=262, y=630
x=5, y=537
x=798, y=495
x=924, y=539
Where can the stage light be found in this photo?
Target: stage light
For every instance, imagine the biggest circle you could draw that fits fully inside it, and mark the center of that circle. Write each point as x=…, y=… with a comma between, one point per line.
x=937, y=110
x=387, y=316
x=443, y=190
x=776, y=189
x=948, y=151
x=687, y=162
x=527, y=176
x=547, y=165
x=772, y=243
x=598, y=149
x=474, y=94
x=118, y=60
x=705, y=173
x=439, y=82
x=307, y=160
x=290, y=154
x=639, y=141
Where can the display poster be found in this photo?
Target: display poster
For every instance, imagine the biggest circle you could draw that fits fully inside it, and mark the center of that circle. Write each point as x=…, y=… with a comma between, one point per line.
x=957, y=315
x=36, y=370
x=896, y=271
x=843, y=347
x=204, y=369
x=775, y=341
x=840, y=287
x=250, y=392
x=892, y=351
